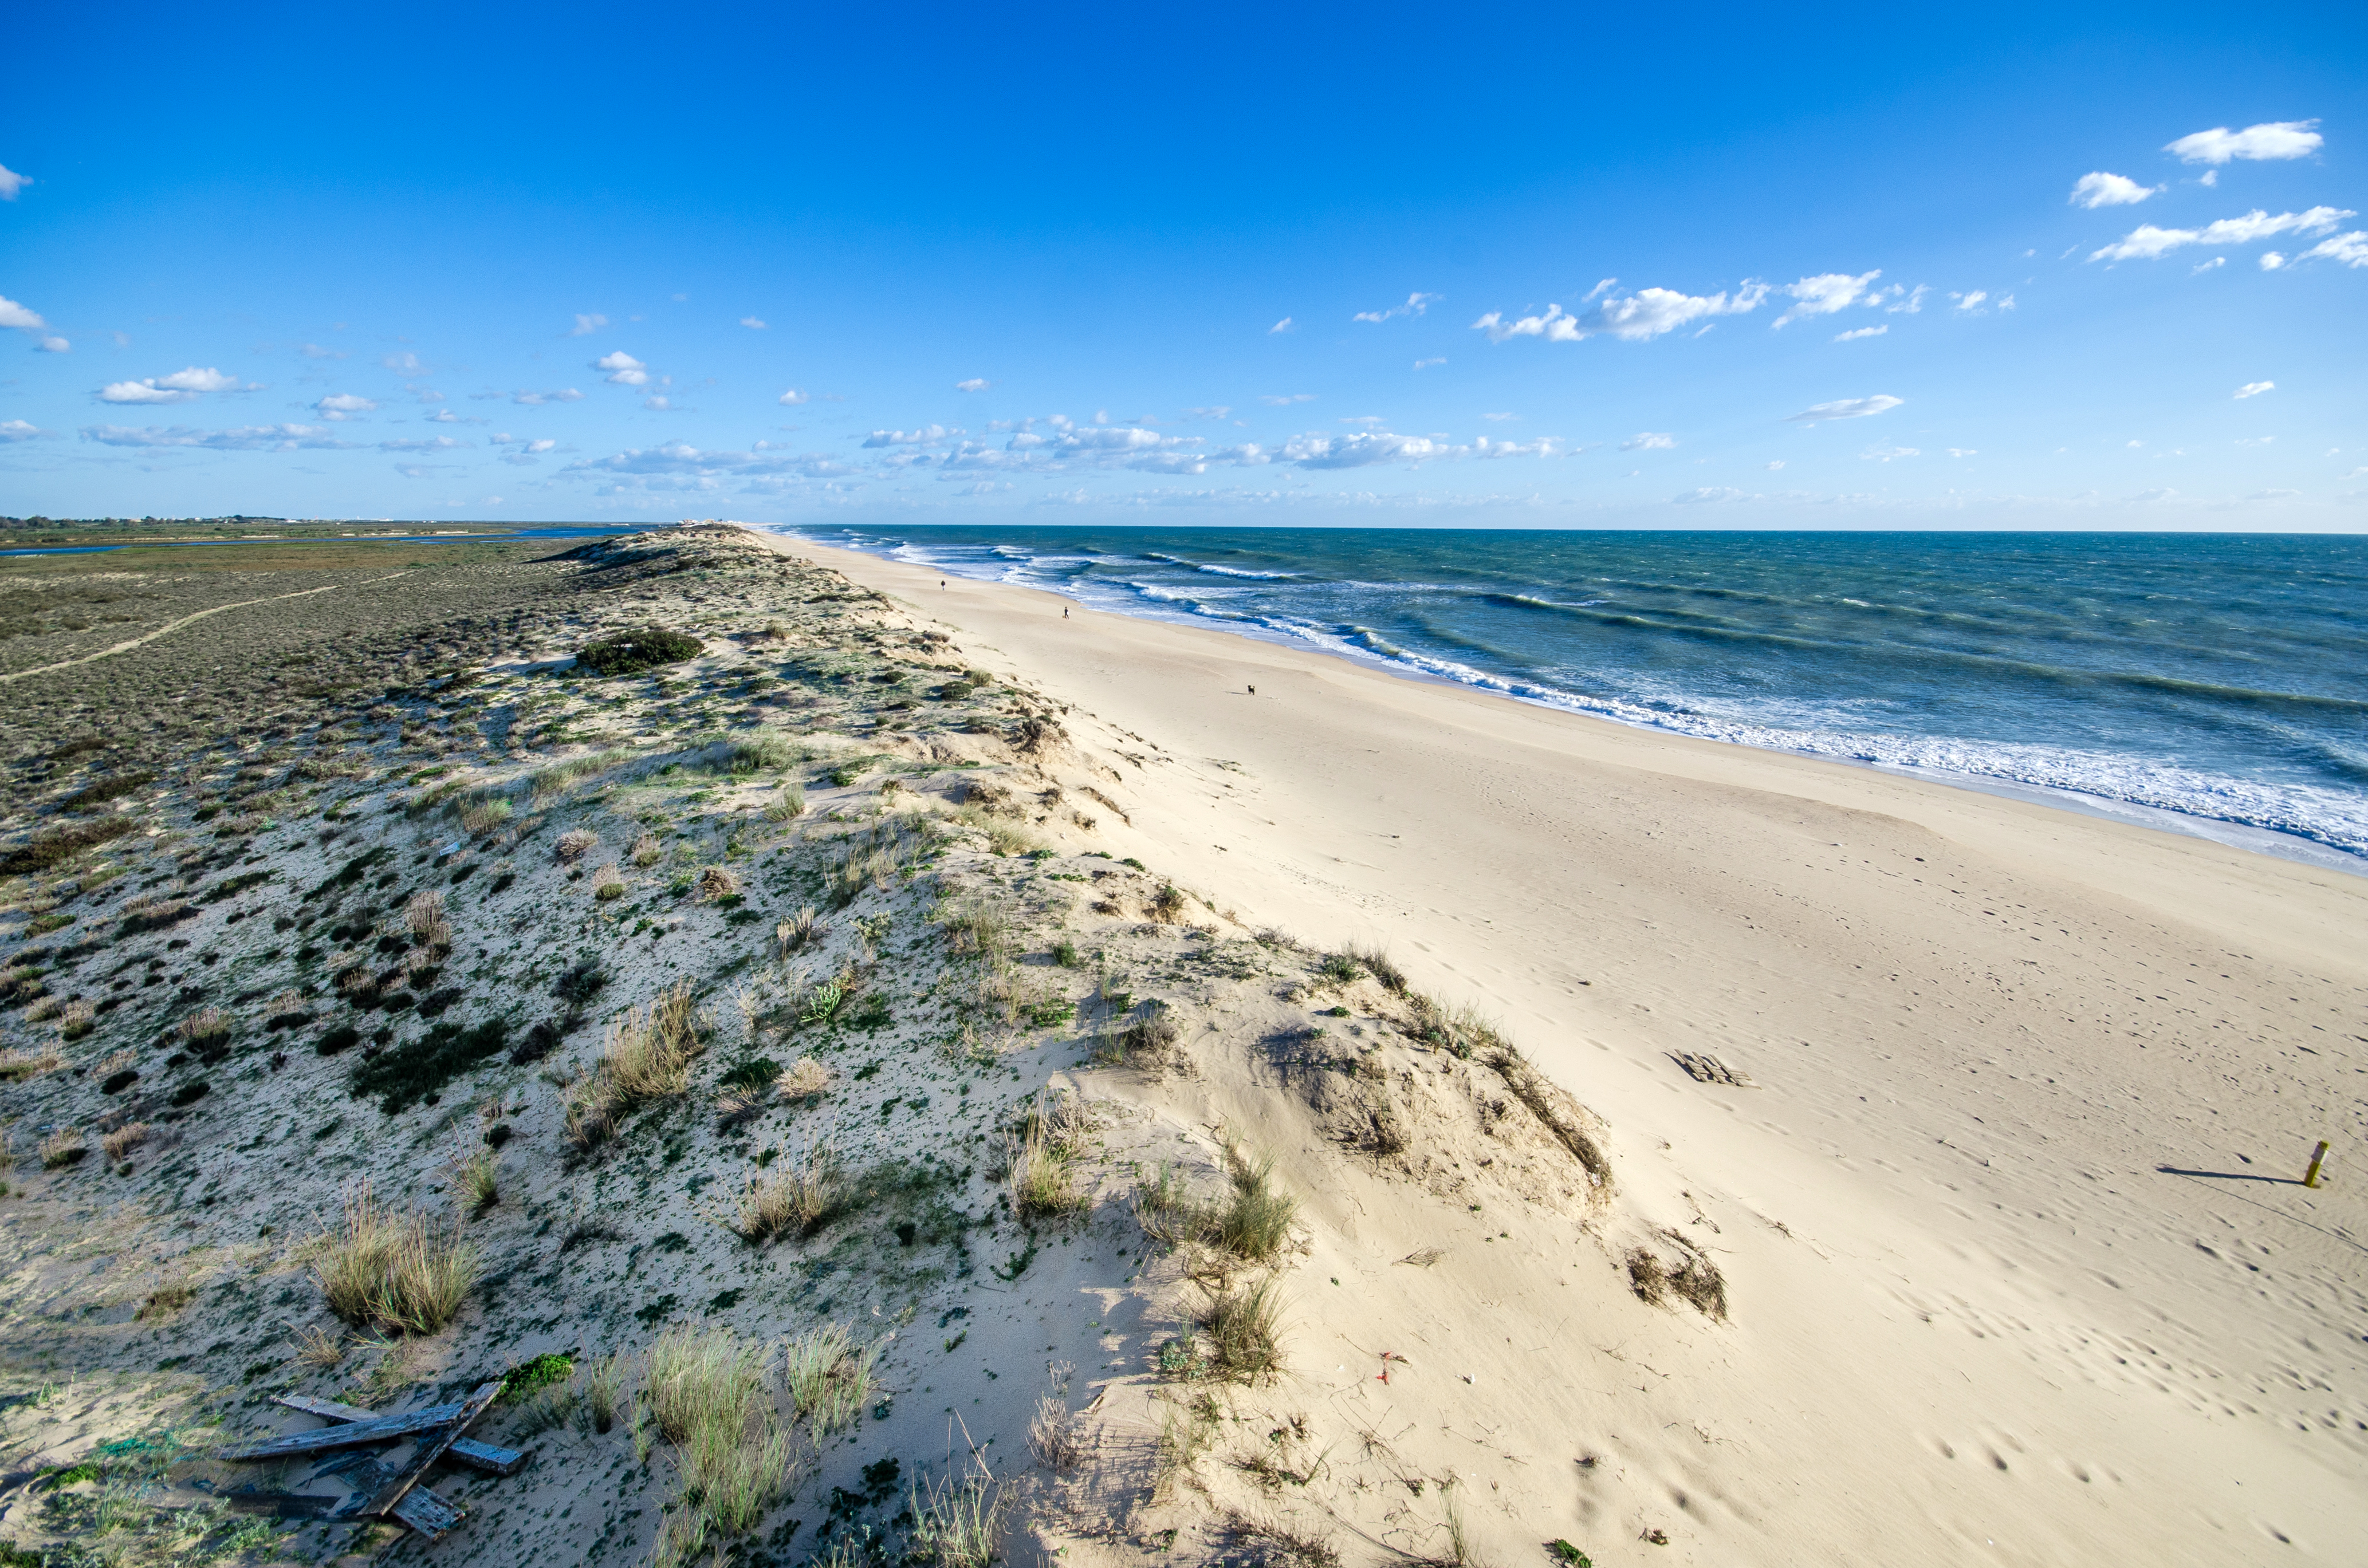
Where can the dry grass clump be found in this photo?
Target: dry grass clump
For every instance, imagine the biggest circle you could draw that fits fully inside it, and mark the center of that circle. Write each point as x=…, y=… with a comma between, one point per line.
x=738, y=1106
x=65, y=1147
x=1002, y=837
x=575, y=844
x=829, y=1378
x=806, y=1078
x=1550, y=1105
x=796, y=934
x=17, y=1064
x=646, y=851
x=1696, y=1282
x=477, y=1179
x=1041, y=1152
x=708, y=1393
x=1052, y=1433
x=1376, y=962
x=426, y=920
x=389, y=1271
x=1244, y=1330
x=718, y=882
x=205, y=1026
x=646, y=1056
x=1276, y=1543
x=480, y=817
x=789, y=806
x=119, y=1143
x=797, y=1198
x=78, y=1020
x=608, y=882
x=1166, y=905
x=976, y=927
x=1252, y=1225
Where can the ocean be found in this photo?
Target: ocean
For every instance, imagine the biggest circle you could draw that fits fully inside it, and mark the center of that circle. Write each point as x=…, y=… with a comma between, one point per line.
x=2219, y=678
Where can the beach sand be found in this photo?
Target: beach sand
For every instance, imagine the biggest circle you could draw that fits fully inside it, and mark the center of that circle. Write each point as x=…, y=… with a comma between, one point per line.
x=2018, y=1267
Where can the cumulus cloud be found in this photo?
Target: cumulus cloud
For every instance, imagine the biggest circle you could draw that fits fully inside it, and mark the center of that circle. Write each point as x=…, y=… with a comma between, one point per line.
x=2271, y=261
x=404, y=364
x=2148, y=241
x=1543, y=446
x=1775, y=464
x=2259, y=144
x=145, y=391
x=1711, y=494
x=2255, y=388
x=2215, y=263
x=623, y=369
x=1826, y=294
x=1649, y=441
x=245, y=438
x=585, y=325
x=680, y=466
x=1888, y=454
x=1284, y=402
x=1427, y=364
x=2101, y=189
x=658, y=403
x=976, y=384
x=1415, y=306
x=11, y=182
x=19, y=430
x=752, y=323
x=922, y=437
x=1857, y=331
x=1845, y=408
x=434, y=444
x=1632, y=318
x=536, y=399
x=1283, y=325
x=53, y=345
x=24, y=318
x=344, y=405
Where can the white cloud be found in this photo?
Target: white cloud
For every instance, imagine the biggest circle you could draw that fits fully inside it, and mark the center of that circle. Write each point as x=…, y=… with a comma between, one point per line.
x=2216, y=262
x=1287, y=402
x=586, y=326
x=1649, y=441
x=1845, y=408
x=658, y=403
x=145, y=391
x=2255, y=441
x=314, y=351
x=2255, y=388
x=2149, y=241
x=1826, y=294
x=1970, y=303
x=922, y=437
x=445, y=416
x=404, y=364
x=2350, y=249
x=1283, y=325
x=976, y=384
x=344, y=405
x=1778, y=463
x=1964, y=451
x=195, y=379
x=17, y=430
x=2164, y=494
x=625, y=370
x=2260, y=143
x=1910, y=303
x=11, y=182
x=1632, y=318
x=1320, y=449
x=1859, y=332
x=53, y=345
x=1543, y=446
x=679, y=466
x=245, y=438
x=435, y=444
x=1427, y=364
x=23, y=318
x=2271, y=495
x=752, y=323
x=1886, y=454
x=1500, y=416
x=536, y=399
x=1711, y=494
x=2271, y=261
x=1415, y=306
x=2101, y=189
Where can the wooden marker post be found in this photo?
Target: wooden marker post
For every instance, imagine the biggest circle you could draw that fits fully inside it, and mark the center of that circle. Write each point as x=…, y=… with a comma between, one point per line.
x=2317, y=1158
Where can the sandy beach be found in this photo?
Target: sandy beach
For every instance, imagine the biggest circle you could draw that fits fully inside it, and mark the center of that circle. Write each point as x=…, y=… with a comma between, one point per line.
x=2020, y=1266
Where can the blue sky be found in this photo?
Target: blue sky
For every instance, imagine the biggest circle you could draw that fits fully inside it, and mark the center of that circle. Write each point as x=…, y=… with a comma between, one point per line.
x=1568, y=266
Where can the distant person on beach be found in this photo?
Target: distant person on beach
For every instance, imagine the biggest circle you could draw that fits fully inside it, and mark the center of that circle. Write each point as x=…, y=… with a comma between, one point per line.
x=1253, y=691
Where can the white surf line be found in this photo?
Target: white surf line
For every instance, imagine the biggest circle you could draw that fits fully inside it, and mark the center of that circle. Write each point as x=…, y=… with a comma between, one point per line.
x=176, y=626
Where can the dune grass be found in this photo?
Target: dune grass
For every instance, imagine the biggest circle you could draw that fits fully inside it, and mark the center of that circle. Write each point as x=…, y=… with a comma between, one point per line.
x=390, y=1271
x=830, y=1379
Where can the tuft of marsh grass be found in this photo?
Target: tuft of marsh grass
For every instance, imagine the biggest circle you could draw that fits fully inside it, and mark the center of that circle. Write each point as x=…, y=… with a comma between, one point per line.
x=956, y=1524
x=708, y=1393
x=1276, y=1543
x=1253, y=1223
x=477, y=1179
x=1243, y=1326
x=63, y=1148
x=646, y=1056
x=119, y=1143
x=976, y=927
x=789, y=806
x=795, y=1198
x=806, y=1078
x=387, y=1270
x=575, y=844
x=1376, y=962
x=78, y=1020
x=17, y=1064
x=829, y=1378
x=1185, y=1434
x=1052, y=1435
x=608, y=882
x=647, y=851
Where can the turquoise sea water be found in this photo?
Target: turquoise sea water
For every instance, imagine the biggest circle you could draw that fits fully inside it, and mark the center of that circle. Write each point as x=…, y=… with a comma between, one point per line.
x=2224, y=678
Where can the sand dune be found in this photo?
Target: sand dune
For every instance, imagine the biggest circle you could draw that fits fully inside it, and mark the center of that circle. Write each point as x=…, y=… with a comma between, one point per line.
x=2019, y=1271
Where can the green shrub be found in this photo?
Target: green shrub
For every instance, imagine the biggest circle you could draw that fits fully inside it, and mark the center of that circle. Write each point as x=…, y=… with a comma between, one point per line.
x=632, y=653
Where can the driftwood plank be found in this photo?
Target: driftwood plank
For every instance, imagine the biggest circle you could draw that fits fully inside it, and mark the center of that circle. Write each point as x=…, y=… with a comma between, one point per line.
x=283, y=1504
x=430, y=1449
x=353, y=1435
x=425, y=1513
x=464, y=1450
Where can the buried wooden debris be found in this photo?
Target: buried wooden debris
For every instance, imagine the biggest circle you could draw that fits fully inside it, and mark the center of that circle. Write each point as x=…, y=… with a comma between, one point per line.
x=1711, y=1070
x=378, y=1489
